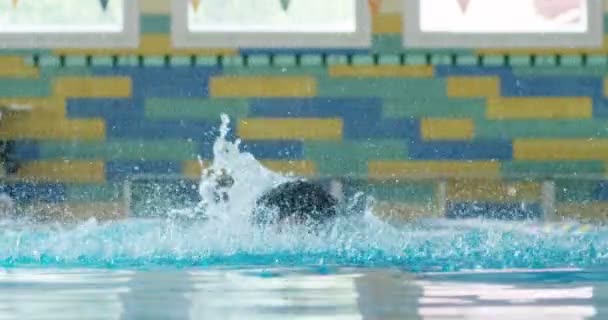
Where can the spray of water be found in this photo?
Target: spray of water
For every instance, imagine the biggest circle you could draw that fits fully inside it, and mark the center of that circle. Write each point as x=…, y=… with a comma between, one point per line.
x=219, y=233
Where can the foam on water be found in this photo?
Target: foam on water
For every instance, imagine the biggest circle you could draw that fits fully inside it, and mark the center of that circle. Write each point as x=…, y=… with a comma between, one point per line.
x=220, y=234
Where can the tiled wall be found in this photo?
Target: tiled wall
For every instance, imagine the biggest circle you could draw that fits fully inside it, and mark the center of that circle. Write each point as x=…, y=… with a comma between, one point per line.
x=383, y=114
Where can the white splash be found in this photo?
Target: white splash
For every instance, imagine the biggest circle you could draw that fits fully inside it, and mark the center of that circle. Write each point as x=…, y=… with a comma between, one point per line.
x=234, y=180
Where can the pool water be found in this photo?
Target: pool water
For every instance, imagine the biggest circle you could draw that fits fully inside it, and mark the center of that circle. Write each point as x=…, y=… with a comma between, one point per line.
x=300, y=293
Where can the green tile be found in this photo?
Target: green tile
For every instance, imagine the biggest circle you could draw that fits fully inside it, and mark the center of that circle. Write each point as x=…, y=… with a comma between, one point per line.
x=363, y=59
x=128, y=61
x=285, y=60
x=519, y=61
x=572, y=60
x=93, y=192
x=318, y=71
x=597, y=60
x=387, y=43
x=206, y=60
x=49, y=61
x=195, y=109
x=350, y=159
x=25, y=87
x=259, y=60
x=560, y=71
x=168, y=149
x=545, y=61
x=390, y=59
x=180, y=61
x=337, y=59
x=75, y=61
x=440, y=58
x=434, y=106
x=368, y=150
x=101, y=61
x=311, y=60
x=466, y=60
x=574, y=190
x=492, y=60
x=51, y=72
x=550, y=168
x=415, y=58
x=154, y=61
x=380, y=87
x=233, y=61
x=152, y=23
x=511, y=129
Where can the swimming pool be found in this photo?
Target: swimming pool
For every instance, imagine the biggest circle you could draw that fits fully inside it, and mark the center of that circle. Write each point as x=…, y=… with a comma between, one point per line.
x=220, y=266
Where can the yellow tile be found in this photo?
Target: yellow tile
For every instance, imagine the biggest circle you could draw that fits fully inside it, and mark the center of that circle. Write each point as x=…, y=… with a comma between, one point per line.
x=539, y=108
x=52, y=107
x=63, y=171
x=447, y=129
x=15, y=67
x=70, y=211
x=381, y=71
x=192, y=169
x=470, y=87
x=399, y=212
x=493, y=190
x=386, y=23
x=586, y=211
x=296, y=167
x=290, y=129
x=560, y=149
x=433, y=169
x=42, y=129
x=545, y=51
x=150, y=44
x=254, y=86
x=93, y=87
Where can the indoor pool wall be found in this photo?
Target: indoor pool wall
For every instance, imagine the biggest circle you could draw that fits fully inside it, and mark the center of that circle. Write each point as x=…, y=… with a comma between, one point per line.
x=428, y=132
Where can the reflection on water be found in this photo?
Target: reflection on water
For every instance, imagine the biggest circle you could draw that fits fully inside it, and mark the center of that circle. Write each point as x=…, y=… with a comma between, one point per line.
x=300, y=294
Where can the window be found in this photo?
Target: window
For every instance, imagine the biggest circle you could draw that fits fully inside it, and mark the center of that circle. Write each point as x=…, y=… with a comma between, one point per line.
x=271, y=23
x=69, y=23
x=500, y=23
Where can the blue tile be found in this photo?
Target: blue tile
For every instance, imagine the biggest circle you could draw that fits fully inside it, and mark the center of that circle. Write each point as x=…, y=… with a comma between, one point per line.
x=288, y=150
x=122, y=169
x=35, y=192
x=600, y=193
x=504, y=211
x=457, y=150
x=558, y=86
x=406, y=128
x=129, y=128
x=105, y=108
x=165, y=81
x=600, y=107
x=27, y=150
x=446, y=70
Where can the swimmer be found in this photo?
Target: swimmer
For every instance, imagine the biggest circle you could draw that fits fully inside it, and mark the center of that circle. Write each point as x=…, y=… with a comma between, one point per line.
x=293, y=202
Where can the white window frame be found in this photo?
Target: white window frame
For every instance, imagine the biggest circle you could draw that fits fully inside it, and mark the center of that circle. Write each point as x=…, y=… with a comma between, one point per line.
x=183, y=38
x=127, y=38
x=414, y=37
